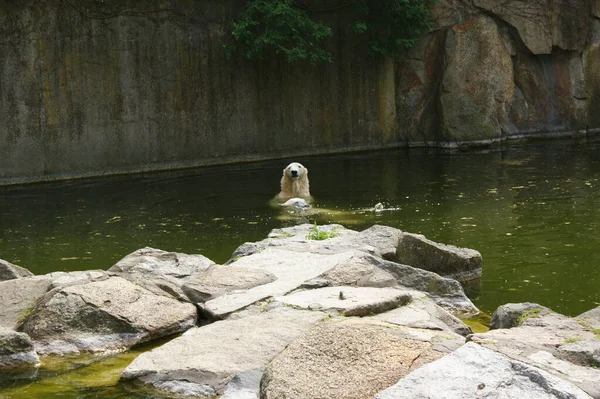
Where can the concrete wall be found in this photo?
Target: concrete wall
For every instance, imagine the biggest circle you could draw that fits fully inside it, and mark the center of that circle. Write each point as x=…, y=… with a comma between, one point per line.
x=90, y=87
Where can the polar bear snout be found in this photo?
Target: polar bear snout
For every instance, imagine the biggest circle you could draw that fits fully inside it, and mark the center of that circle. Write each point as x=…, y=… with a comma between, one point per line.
x=295, y=170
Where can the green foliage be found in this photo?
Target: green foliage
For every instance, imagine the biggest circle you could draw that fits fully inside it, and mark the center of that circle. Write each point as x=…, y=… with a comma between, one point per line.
x=392, y=28
x=316, y=234
x=277, y=25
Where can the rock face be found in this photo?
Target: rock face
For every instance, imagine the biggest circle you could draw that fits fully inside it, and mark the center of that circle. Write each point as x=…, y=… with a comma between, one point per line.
x=330, y=361
x=475, y=372
x=8, y=271
x=103, y=315
x=488, y=71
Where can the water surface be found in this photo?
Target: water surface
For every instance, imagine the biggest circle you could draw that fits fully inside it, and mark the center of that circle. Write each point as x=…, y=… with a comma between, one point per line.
x=531, y=210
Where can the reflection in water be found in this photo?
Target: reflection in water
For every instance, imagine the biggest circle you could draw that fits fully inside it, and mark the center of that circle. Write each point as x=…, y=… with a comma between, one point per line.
x=530, y=210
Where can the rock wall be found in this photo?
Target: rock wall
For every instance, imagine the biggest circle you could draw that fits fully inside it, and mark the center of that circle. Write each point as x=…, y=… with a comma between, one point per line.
x=90, y=87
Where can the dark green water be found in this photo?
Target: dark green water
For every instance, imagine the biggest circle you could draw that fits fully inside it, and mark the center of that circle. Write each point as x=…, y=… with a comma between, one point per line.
x=531, y=210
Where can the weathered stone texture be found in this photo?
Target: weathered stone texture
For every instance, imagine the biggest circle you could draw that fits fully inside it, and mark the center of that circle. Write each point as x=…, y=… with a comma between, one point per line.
x=115, y=86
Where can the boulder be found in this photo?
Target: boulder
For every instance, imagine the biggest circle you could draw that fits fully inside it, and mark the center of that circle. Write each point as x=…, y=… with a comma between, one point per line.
x=16, y=351
x=64, y=279
x=19, y=296
x=538, y=336
x=290, y=268
x=218, y=280
x=349, y=358
x=8, y=271
x=308, y=269
x=112, y=314
x=460, y=264
x=591, y=318
x=380, y=241
x=160, y=271
x=476, y=372
x=422, y=312
x=206, y=359
x=348, y=301
x=514, y=314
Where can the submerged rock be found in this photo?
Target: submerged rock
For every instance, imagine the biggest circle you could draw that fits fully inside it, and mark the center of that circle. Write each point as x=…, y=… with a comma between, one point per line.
x=476, y=372
x=8, y=271
x=112, y=314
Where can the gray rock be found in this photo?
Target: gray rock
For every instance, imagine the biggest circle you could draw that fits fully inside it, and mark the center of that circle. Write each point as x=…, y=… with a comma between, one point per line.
x=348, y=301
x=209, y=357
x=245, y=385
x=585, y=378
x=540, y=332
x=19, y=296
x=377, y=240
x=423, y=312
x=476, y=372
x=218, y=280
x=16, y=351
x=294, y=269
x=112, y=314
x=446, y=292
x=64, y=279
x=291, y=268
x=514, y=314
x=590, y=318
x=8, y=271
x=160, y=271
x=350, y=358
x=358, y=273
x=461, y=264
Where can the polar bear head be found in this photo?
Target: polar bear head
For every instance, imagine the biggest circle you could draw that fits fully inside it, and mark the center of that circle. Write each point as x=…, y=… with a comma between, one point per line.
x=294, y=182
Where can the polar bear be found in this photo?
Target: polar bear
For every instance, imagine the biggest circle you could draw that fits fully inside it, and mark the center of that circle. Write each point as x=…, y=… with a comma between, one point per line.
x=294, y=183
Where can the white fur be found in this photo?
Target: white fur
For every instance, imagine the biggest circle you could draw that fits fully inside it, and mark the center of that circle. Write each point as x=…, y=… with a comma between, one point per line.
x=294, y=183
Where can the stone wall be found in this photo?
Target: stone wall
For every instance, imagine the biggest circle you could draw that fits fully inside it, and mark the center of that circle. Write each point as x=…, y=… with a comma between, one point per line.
x=90, y=87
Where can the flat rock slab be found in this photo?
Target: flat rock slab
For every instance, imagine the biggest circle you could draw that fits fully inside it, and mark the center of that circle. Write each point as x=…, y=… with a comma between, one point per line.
x=346, y=359
x=348, y=301
x=291, y=269
x=476, y=372
x=16, y=351
x=8, y=271
x=218, y=280
x=19, y=296
x=104, y=315
x=208, y=357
